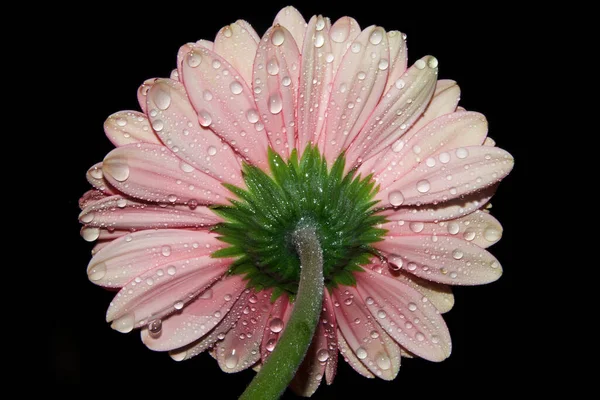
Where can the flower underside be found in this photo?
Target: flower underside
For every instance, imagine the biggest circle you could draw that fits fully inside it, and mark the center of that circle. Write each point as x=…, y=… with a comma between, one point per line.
x=302, y=191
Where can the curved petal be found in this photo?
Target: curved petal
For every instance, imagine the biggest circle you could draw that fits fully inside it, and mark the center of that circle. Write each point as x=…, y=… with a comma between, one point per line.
x=357, y=88
x=406, y=315
x=237, y=44
x=446, y=259
x=351, y=358
x=315, y=76
x=136, y=253
x=95, y=177
x=241, y=347
x=195, y=319
x=152, y=173
x=367, y=339
x=398, y=57
x=126, y=127
x=143, y=91
x=439, y=295
x=294, y=22
x=225, y=103
x=397, y=111
x=330, y=325
x=342, y=33
x=275, y=85
x=157, y=293
x=479, y=228
x=117, y=212
x=90, y=197
x=448, y=175
x=176, y=123
x=278, y=318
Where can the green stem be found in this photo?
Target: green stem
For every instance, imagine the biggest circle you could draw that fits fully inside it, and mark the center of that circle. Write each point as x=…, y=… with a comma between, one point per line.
x=281, y=366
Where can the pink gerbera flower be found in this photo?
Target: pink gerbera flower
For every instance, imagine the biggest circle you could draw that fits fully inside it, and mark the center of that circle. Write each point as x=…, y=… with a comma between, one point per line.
x=314, y=157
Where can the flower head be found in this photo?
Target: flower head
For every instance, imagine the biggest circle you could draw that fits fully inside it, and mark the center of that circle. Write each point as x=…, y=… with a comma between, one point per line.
x=195, y=211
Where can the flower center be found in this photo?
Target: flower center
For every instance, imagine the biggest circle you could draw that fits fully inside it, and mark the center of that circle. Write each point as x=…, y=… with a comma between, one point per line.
x=300, y=192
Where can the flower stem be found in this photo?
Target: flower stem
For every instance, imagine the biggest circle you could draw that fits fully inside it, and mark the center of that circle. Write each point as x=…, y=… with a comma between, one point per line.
x=281, y=366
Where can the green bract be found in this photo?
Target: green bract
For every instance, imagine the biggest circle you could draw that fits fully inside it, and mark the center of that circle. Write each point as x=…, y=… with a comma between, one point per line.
x=259, y=223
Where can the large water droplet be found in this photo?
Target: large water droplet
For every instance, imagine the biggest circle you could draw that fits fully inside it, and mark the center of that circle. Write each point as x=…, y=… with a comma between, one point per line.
x=462, y=153
x=491, y=234
x=155, y=327
x=361, y=353
x=178, y=305
x=319, y=39
x=383, y=361
x=376, y=36
x=171, y=270
x=236, y=87
x=231, y=360
x=162, y=98
x=420, y=64
x=194, y=59
x=118, y=170
x=273, y=66
x=416, y=227
x=453, y=228
x=433, y=62
x=252, y=116
x=457, y=254
x=212, y=150
x=278, y=37
x=412, y=306
x=166, y=251
x=339, y=32
x=87, y=218
x=396, y=198
x=271, y=344
x=207, y=95
x=186, y=167
x=355, y=48
x=90, y=234
x=204, y=118
x=275, y=103
x=383, y=64
x=97, y=272
x=423, y=186
x=276, y=325
x=286, y=81
x=124, y=324
x=172, y=198
x=96, y=173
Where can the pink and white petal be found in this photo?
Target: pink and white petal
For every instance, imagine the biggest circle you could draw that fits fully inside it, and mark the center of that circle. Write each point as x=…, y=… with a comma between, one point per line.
x=174, y=75
x=316, y=74
x=277, y=320
x=224, y=102
x=450, y=131
x=157, y=293
x=479, y=228
x=357, y=88
x=398, y=57
x=406, y=315
x=126, y=127
x=443, y=211
x=446, y=260
x=152, y=173
x=275, y=86
x=294, y=22
x=90, y=197
x=342, y=33
x=351, y=358
x=311, y=371
x=117, y=212
x=176, y=123
x=197, y=318
x=130, y=256
x=397, y=111
x=95, y=177
x=217, y=334
x=248, y=27
x=448, y=175
x=378, y=353
x=238, y=46
x=330, y=325
x=489, y=142
x=241, y=347
x=143, y=91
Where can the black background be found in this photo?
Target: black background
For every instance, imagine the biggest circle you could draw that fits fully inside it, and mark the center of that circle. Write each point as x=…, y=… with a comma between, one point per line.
x=105, y=52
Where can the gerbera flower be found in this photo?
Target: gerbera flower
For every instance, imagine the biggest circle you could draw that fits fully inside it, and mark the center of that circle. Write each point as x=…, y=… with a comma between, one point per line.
x=305, y=191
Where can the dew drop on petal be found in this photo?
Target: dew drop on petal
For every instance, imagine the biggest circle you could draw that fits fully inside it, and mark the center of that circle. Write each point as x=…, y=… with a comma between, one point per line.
x=278, y=37
x=236, y=87
x=383, y=361
x=252, y=116
x=273, y=66
x=457, y=254
x=178, y=305
x=231, y=360
x=124, y=324
x=271, y=344
x=96, y=173
x=433, y=62
x=275, y=103
x=420, y=64
x=286, y=81
x=420, y=337
x=412, y=306
x=166, y=251
x=416, y=227
x=171, y=270
x=97, y=272
x=400, y=84
x=361, y=353
x=207, y=95
x=155, y=327
x=444, y=158
x=162, y=98
x=462, y=153
x=90, y=234
x=355, y=48
x=186, y=167
x=204, y=118
x=423, y=186
x=338, y=33
x=491, y=234
x=212, y=150
x=194, y=59
x=396, y=198
x=376, y=36
x=172, y=198
x=276, y=325
x=323, y=355
x=374, y=334
x=381, y=314
x=319, y=39
x=87, y=218
x=383, y=64
x=430, y=162
x=453, y=228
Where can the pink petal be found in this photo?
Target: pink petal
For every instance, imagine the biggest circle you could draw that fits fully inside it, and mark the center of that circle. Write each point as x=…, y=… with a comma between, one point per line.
x=446, y=259
x=351, y=358
x=117, y=212
x=278, y=318
x=342, y=33
x=241, y=347
x=479, y=228
x=443, y=211
x=90, y=197
x=224, y=103
x=406, y=315
x=157, y=293
x=330, y=325
x=489, y=142
x=237, y=44
x=357, y=88
x=397, y=111
x=143, y=91
x=398, y=57
x=367, y=340
x=294, y=22
x=448, y=175
x=217, y=334
x=439, y=295
x=248, y=27
x=152, y=173
x=275, y=86
x=126, y=127
x=315, y=77
x=95, y=177
x=176, y=123
x=197, y=318
x=136, y=253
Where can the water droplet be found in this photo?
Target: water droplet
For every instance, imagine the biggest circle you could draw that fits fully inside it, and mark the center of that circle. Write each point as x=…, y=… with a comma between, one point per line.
x=204, y=118
x=162, y=98
x=227, y=297
x=400, y=84
x=273, y=66
x=494, y=264
x=158, y=125
x=462, y=153
x=155, y=327
x=231, y=360
x=323, y=355
x=121, y=122
x=457, y=254
x=216, y=64
x=194, y=59
x=319, y=39
x=329, y=57
x=124, y=324
x=172, y=198
x=383, y=361
x=420, y=64
x=374, y=334
x=369, y=300
x=253, y=299
x=491, y=234
x=376, y=36
x=271, y=344
x=171, y=270
x=453, y=228
x=383, y=64
x=420, y=337
x=453, y=275
x=96, y=173
x=236, y=87
x=339, y=32
x=381, y=314
x=433, y=62
x=397, y=146
x=355, y=48
x=178, y=305
x=278, y=37
x=361, y=75
x=149, y=281
x=212, y=150
x=361, y=353
x=207, y=95
x=186, y=167
x=97, y=272
x=166, y=251
x=275, y=103
x=276, y=325
x=90, y=234
x=87, y=218
x=423, y=186
x=396, y=198
x=411, y=266
x=395, y=263
x=412, y=306
x=348, y=301
x=416, y=227
x=430, y=162
x=252, y=116
x=435, y=339
x=227, y=32
x=286, y=81
x=207, y=294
